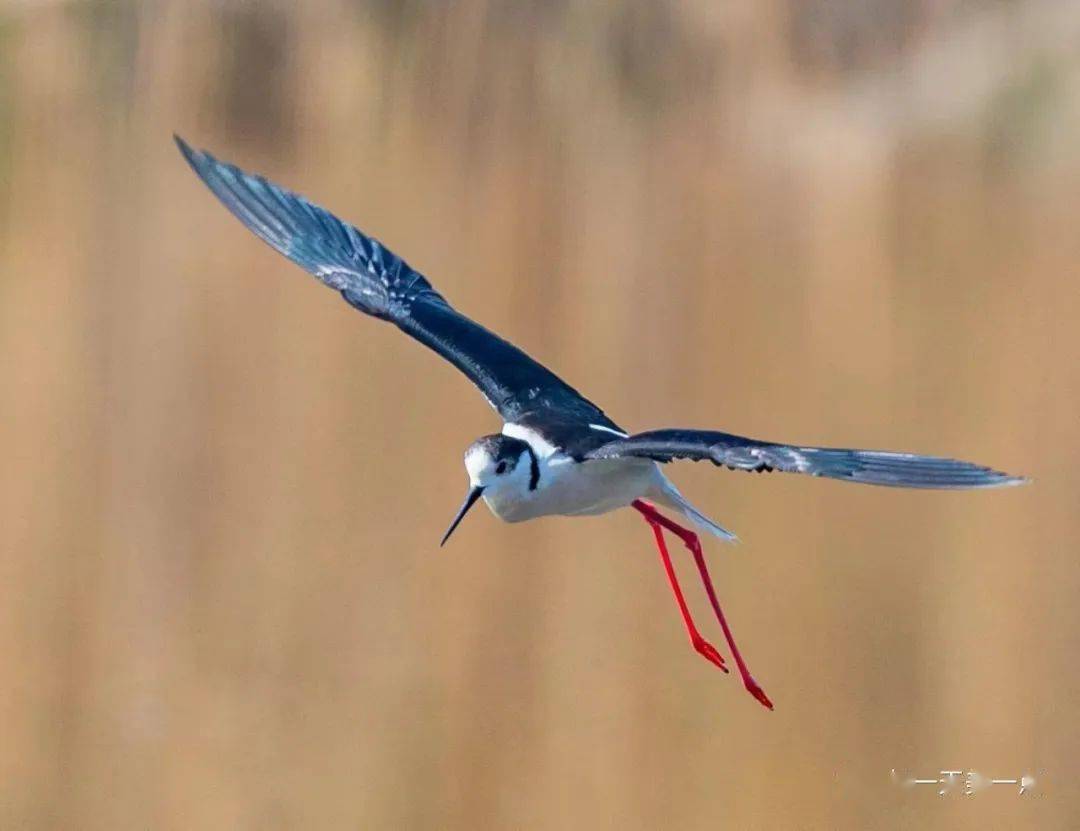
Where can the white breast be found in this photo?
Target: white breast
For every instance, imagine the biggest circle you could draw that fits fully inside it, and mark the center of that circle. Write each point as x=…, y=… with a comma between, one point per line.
x=571, y=488
x=595, y=487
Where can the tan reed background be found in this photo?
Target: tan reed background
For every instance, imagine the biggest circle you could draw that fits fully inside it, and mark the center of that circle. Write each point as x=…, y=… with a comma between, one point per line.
x=221, y=600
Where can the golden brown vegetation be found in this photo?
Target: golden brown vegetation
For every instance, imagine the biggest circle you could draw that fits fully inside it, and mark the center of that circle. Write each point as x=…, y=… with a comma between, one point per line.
x=221, y=600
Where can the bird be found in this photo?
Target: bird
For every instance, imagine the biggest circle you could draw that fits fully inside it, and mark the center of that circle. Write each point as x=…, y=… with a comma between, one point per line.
x=557, y=452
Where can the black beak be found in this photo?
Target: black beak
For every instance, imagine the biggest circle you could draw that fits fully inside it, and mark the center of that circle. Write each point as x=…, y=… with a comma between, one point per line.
x=470, y=500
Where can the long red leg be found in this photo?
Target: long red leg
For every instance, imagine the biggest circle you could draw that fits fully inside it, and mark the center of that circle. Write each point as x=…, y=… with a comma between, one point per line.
x=706, y=649
x=690, y=539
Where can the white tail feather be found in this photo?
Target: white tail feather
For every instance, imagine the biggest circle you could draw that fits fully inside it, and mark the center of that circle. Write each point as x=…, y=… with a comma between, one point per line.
x=669, y=495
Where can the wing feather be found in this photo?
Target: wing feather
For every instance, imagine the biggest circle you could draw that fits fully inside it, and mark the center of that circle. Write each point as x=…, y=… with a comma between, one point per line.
x=871, y=467
x=376, y=281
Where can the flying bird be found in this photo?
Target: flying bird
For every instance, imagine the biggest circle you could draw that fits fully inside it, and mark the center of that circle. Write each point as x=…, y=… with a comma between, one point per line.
x=557, y=452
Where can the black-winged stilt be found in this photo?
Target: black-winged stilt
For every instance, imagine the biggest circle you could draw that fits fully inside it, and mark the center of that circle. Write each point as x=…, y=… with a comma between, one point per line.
x=558, y=453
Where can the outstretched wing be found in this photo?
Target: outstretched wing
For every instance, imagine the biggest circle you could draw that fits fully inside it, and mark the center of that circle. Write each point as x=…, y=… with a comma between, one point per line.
x=378, y=282
x=871, y=467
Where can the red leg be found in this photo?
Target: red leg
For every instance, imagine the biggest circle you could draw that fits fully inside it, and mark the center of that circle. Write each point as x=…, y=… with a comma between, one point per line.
x=706, y=649
x=690, y=539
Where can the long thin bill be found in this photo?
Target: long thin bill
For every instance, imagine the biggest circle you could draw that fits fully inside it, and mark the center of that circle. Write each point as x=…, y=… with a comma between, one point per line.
x=470, y=500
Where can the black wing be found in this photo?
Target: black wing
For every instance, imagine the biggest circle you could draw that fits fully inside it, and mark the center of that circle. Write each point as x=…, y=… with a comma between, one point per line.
x=378, y=282
x=872, y=467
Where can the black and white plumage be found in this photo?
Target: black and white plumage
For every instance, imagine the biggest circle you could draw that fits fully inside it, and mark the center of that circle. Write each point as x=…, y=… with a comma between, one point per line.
x=378, y=282
x=527, y=395
x=558, y=453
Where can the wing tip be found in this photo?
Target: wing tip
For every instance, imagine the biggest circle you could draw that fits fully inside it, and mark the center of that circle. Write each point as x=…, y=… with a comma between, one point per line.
x=999, y=479
x=205, y=165
x=1009, y=481
x=193, y=156
x=965, y=479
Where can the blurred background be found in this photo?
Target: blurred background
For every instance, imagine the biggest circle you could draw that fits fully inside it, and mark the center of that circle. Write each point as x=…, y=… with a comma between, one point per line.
x=222, y=604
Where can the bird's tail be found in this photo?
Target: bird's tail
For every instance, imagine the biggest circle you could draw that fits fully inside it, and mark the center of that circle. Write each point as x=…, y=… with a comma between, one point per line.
x=667, y=494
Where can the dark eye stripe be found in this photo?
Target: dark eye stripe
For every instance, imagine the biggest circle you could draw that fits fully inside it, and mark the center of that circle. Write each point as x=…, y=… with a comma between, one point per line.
x=500, y=467
x=534, y=469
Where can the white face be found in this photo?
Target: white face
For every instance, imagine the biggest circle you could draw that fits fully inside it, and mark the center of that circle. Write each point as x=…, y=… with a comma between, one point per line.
x=498, y=477
x=500, y=470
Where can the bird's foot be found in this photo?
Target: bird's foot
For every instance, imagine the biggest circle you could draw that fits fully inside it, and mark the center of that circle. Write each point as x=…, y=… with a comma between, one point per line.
x=708, y=651
x=756, y=691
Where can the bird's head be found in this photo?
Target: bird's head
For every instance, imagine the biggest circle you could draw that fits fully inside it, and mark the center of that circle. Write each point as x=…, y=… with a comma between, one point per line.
x=498, y=465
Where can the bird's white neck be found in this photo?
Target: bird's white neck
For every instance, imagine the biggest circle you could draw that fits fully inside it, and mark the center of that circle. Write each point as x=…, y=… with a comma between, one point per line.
x=541, y=446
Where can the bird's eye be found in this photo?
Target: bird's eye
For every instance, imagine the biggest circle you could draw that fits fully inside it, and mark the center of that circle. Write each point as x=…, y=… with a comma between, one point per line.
x=500, y=468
